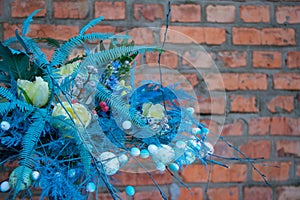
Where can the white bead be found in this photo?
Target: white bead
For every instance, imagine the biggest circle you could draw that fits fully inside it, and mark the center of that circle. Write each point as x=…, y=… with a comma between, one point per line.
x=126, y=62
x=135, y=151
x=126, y=125
x=196, y=130
x=35, y=175
x=180, y=144
x=152, y=148
x=5, y=125
x=4, y=187
x=110, y=162
x=190, y=110
x=90, y=187
x=160, y=166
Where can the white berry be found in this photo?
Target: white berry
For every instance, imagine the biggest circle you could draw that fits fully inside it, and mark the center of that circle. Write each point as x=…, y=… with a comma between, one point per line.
x=5, y=125
x=4, y=187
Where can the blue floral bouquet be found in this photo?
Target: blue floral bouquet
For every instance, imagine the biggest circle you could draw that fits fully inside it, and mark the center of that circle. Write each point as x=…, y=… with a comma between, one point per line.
x=72, y=123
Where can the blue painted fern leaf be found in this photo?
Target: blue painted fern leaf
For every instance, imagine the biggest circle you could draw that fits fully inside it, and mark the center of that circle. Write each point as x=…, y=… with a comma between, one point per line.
x=90, y=25
x=26, y=23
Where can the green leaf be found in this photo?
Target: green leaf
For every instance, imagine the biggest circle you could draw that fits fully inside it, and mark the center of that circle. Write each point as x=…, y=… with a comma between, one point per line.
x=16, y=66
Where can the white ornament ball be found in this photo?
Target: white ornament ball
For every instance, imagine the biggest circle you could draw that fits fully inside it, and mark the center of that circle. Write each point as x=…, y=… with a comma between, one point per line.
x=5, y=125
x=123, y=159
x=126, y=125
x=35, y=175
x=4, y=187
x=164, y=154
x=135, y=151
x=160, y=166
x=152, y=148
x=90, y=187
x=110, y=162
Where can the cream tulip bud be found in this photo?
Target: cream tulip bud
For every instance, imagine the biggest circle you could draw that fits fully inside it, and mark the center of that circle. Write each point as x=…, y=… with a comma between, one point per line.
x=36, y=92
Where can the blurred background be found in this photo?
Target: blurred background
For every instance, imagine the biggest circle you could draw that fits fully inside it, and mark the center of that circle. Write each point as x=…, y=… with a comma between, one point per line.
x=256, y=48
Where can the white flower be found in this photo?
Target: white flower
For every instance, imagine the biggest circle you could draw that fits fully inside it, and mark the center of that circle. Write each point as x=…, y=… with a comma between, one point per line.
x=36, y=92
x=156, y=111
x=75, y=110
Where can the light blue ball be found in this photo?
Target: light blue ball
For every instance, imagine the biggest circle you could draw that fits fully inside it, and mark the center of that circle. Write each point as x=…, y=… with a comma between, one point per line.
x=173, y=167
x=130, y=190
x=160, y=166
x=91, y=187
x=144, y=153
x=135, y=151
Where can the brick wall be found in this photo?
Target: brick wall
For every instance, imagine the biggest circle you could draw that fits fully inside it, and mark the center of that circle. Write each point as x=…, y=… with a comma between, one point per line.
x=256, y=46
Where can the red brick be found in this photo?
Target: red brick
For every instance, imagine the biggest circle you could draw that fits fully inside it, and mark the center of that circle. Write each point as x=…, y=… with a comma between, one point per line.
x=23, y=8
x=235, y=81
x=285, y=126
x=278, y=36
x=288, y=14
x=273, y=171
x=134, y=178
x=141, y=35
x=241, y=103
x=110, y=10
x=266, y=59
x=102, y=29
x=194, y=173
x=107, y=196
x=252, y=13
x=58, y=32
x=231, y=193
x=211, y=105
x=220, y=13
x=235, y=173
x=195, y=193
x=188, y=34
x=186, y=13
x=288, y=193
x=259, y=126
x=149, y=12
x=257, y=149
x=281, y=103
x=285, y=148
x=258, y=193
x=246, y=36
x=221, y=149
x=168, y=59
x=147, y=195
x=187, y=81
x=48, y=52
x=197, y=59
x=266, y=36
x=286, y=81
x=233, y=59
x=235, y=128
x=293, y=59
x=71, y=9
x=248, y=81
